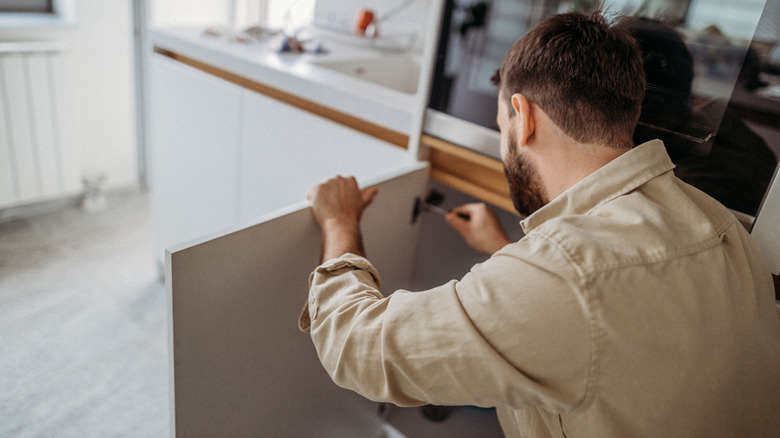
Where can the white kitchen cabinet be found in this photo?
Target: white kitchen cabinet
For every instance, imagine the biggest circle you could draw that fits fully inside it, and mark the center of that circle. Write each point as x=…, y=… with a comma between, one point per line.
x=221, y=154
x=285, y=150
x=194, y=131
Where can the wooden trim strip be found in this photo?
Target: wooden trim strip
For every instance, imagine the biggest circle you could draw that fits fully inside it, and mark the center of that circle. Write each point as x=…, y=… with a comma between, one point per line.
x=472, y=189
x=493, y=164
x=391, y=136
x=468, y=171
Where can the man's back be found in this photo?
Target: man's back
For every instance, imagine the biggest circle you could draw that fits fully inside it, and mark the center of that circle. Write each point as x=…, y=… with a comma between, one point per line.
x=683, y=329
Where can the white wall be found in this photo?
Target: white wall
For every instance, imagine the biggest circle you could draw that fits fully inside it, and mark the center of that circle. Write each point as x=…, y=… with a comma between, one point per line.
x=341, y=14
x=99, y=62
x=164, y=13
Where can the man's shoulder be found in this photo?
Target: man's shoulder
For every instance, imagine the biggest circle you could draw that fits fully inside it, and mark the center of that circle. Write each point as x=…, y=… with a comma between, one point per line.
x=636, y=229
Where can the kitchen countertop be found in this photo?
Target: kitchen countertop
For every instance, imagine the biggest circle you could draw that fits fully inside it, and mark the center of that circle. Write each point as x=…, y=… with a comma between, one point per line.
x=298, y=74
x=453, y=163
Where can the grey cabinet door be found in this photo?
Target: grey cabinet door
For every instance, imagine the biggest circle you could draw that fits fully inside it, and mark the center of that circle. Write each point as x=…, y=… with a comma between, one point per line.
x=239, y=364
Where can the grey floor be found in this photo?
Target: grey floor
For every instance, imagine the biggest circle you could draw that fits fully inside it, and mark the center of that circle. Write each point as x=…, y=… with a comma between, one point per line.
x=83, y=335
x=83, y=344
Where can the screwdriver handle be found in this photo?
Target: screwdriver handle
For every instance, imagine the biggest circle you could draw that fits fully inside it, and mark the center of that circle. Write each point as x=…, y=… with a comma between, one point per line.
x=464, y=216
x=443, y=212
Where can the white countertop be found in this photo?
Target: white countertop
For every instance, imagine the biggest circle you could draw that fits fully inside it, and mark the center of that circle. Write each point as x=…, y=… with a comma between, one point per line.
x=297, y=74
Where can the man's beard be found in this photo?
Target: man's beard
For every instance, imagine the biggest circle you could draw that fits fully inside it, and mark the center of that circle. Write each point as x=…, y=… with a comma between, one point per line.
x=525, y=186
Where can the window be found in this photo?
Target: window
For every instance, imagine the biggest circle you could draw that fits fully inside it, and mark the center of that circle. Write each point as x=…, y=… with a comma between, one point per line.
x=37, y=13
x=27, y=6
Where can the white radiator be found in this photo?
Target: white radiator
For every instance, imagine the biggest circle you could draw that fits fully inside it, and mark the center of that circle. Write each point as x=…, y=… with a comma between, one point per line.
x=36, y=161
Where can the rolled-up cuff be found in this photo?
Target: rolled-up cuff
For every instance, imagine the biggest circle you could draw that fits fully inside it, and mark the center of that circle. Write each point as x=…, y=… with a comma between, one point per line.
x=337, y=266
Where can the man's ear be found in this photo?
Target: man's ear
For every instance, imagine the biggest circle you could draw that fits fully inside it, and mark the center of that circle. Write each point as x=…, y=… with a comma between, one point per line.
x=524, y=118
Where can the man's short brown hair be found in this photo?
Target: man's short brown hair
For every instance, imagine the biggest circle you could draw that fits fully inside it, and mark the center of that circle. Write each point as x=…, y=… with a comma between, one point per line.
x=584, y=73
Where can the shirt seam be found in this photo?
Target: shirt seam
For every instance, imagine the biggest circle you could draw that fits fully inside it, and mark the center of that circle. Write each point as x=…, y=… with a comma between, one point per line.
x=728, y=222
x=591, y=301
x=593, y=322
x=658, y=257
x=630, y=185
x=633, y=184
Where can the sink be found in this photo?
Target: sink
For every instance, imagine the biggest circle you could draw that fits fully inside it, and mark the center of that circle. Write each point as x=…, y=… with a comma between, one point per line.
x=399, y=72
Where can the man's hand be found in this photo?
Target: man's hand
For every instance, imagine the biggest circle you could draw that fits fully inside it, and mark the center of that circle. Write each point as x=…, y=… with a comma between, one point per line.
x=338, y=205
x=481, y=231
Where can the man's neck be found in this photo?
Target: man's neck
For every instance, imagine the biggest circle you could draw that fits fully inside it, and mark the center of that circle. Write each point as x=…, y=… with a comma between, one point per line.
x=567, y=163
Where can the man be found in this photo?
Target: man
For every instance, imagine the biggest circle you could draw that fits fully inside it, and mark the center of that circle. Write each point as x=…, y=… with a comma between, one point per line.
x=635, y=305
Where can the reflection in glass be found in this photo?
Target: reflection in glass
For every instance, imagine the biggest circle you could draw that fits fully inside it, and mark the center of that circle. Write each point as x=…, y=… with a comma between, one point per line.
x=713, y=91
x=711, y=146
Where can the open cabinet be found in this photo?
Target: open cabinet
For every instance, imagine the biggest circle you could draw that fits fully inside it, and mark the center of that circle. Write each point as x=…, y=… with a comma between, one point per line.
x=241, y=367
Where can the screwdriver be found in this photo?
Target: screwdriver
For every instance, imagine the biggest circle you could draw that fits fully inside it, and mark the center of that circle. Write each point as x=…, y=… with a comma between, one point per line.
x=443, y=212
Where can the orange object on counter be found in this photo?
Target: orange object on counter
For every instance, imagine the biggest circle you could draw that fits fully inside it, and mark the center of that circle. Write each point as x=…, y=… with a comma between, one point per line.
x=364, y=18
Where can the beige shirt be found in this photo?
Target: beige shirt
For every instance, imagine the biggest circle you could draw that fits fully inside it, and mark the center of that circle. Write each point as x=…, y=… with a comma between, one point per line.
x=634, y=306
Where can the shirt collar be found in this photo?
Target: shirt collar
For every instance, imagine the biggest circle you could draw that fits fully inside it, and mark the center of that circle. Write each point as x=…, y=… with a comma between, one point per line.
x=621, y=175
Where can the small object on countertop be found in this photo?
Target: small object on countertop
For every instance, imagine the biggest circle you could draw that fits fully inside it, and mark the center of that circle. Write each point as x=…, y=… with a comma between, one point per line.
x=284, y=43
x=317, y=48
x=364, y=18
x=260, y=32
x=217, y=31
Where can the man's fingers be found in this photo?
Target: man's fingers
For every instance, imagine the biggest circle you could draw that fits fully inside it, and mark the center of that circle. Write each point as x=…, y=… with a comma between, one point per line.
x=312, y=192
x=457, y=222
x=463, y=210
x=339, y=198
x=368, y=195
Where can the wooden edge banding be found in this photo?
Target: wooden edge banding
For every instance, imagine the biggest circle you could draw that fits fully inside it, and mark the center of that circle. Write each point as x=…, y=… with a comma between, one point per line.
x=492, y=164
x=393, y=137
x=469, y=172
x=472, y=189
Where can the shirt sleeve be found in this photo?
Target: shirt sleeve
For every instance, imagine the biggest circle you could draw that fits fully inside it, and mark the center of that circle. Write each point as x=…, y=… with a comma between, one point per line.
x=508, y=335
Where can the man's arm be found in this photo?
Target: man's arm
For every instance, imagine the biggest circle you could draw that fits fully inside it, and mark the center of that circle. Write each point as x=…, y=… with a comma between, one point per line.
x=443, y=345
x=338, y=205
x=481, y=341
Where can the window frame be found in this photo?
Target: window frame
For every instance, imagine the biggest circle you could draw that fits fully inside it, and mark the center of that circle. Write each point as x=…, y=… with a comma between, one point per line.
x=63, y=13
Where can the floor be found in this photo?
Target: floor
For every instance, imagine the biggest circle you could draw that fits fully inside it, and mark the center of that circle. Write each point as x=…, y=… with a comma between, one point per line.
x=83, y=334
x=83, y=343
